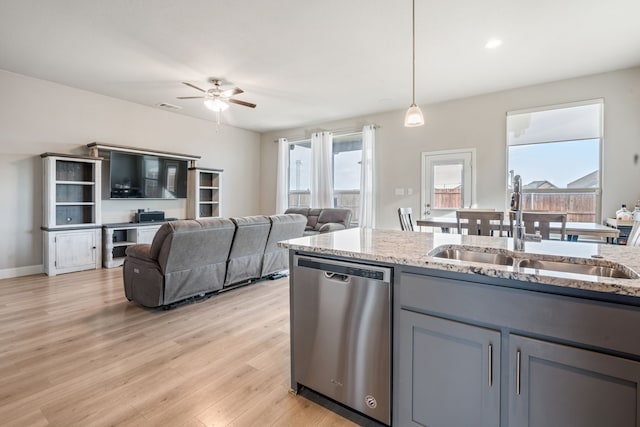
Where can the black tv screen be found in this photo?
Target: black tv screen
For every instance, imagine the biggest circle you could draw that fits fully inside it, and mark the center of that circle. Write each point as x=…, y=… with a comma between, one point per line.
x=142, y=176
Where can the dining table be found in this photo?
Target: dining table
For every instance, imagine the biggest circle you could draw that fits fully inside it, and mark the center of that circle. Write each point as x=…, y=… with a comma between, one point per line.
x=572, y=229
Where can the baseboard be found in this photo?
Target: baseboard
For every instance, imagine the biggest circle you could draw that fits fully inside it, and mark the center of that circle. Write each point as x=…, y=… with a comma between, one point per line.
x=8, y=273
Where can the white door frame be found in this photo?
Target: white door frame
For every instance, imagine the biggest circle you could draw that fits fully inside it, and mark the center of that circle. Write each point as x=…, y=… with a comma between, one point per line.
x=469, y=178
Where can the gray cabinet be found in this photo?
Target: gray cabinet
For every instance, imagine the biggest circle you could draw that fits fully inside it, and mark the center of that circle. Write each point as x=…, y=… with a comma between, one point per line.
x=558, y=385
x=558, y=360
x=449, y=373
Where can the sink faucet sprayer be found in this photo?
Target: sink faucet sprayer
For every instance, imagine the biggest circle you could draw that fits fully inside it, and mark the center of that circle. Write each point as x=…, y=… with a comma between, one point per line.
x=519, y=235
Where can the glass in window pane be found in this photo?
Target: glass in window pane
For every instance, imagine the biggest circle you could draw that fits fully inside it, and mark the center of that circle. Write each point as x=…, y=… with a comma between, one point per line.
x=564, y=164
x=300, y=174
x=347, y=158
x=447, y=186
x=346, y=165
x=565, y=169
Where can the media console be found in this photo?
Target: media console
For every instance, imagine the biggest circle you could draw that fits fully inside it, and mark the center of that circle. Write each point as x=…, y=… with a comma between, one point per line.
x=116, y=238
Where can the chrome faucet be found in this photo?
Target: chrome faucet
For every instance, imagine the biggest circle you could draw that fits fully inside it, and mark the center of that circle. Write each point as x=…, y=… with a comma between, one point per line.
x=519, y=234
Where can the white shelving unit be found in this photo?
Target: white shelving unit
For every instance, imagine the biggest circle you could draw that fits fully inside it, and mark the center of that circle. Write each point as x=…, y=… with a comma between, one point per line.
x=71, y=218
x=117, y=237
x=205, y=193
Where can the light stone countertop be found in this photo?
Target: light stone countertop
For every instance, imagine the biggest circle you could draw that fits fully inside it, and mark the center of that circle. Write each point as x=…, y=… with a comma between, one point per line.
x=412, y=249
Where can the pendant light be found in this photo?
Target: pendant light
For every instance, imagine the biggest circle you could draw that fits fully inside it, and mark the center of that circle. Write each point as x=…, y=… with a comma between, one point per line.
x=414, y=115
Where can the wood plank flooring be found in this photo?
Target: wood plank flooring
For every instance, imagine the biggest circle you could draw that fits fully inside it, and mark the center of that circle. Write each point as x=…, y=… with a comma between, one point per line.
x=75, y=352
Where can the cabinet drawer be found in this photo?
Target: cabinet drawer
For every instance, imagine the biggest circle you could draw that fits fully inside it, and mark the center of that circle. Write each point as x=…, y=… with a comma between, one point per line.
x=570, y=319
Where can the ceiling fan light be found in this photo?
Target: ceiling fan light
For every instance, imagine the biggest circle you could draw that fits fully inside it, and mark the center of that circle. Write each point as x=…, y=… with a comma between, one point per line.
x=216, y=105
x=413, y=117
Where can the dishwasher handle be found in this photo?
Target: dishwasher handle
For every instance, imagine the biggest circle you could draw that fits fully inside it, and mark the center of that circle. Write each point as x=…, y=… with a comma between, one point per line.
x=335, y=276
x=341, y=269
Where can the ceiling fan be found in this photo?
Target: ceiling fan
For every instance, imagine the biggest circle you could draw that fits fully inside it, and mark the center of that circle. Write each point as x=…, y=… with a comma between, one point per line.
x=217, y=99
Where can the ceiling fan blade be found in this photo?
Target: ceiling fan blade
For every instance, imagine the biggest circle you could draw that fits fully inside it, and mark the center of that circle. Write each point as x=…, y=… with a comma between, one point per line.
x=189, y=97
x=194, y=86
x=246, y=104
x=230, y=92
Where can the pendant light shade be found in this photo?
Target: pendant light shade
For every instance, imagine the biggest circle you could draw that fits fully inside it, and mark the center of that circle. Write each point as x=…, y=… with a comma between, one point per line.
x=414, y=115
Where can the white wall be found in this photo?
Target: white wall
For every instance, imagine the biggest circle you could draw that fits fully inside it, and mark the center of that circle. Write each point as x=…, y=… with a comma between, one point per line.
x=37, y=116
x=480, y=122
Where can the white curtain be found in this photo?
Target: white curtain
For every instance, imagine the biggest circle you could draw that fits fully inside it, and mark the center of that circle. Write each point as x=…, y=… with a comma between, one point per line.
x=321, y=170
x=282, y=187
x=367, y=187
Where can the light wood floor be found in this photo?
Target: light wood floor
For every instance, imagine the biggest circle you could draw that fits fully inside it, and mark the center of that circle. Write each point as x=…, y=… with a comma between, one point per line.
x=75, y=352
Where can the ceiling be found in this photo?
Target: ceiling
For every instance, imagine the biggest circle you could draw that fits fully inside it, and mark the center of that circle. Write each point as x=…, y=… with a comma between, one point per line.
x=307, y=62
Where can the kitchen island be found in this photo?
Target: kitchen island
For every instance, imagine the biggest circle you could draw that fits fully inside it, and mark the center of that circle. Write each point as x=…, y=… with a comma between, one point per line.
x=483, y=344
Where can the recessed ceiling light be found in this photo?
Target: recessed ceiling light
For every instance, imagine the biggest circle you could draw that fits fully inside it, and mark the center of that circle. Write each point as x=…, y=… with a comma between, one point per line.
x=493, y=43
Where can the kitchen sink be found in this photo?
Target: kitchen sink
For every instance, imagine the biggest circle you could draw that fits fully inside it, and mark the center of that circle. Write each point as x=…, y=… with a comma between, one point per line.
x=602, y=269
x=590, y=267
x=473, y=255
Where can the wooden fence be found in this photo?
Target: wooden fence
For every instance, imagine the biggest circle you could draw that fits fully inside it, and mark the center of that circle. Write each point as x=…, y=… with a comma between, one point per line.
x=580, y=207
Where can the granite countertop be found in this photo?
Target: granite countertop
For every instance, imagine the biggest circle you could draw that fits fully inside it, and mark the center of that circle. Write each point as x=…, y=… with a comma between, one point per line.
x=412, y=249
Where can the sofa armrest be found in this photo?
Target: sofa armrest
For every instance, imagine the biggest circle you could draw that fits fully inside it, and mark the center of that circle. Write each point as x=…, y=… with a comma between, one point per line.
x=141, y=251
x=331, y=226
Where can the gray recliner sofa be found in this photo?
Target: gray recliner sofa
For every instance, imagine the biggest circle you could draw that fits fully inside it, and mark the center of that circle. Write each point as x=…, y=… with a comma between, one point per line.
x=323, y=220
x=188, y=258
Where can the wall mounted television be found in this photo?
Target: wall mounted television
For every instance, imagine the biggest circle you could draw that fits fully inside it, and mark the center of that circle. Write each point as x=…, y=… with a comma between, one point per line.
x=143, y=176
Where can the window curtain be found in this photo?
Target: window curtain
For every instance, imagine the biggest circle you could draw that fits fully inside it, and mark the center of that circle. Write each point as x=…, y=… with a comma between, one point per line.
x=282, y=178
x=322, y=170
x=367, y=202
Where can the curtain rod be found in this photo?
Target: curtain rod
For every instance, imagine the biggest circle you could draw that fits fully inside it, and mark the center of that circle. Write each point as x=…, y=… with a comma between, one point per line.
x=343, y=132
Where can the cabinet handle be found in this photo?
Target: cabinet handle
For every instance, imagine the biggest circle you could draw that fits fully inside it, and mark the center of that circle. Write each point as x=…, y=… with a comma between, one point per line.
x=518, y=373
x=490, y=365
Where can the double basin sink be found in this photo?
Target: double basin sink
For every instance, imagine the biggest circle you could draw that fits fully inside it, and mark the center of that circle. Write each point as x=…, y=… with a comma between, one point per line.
x=586, y=266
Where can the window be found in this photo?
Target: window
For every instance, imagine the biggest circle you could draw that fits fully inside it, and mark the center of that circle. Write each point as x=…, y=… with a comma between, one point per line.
x=447, y=181
x=556, y=150
x=300, y=174
x=347, y=156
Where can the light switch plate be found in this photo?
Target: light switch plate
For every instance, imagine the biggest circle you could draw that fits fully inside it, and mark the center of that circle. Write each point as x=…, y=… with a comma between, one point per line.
x=399, y=191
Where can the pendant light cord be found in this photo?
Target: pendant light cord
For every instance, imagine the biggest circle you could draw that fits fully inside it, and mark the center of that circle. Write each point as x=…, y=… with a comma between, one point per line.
x=413, y=37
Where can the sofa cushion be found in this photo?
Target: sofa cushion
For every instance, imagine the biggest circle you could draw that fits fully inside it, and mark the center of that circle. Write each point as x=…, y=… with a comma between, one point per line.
x=312, y=218
x=334, y=215
x=158, y=240
x=247, y=250
x=299, y=211
x=283, y=227
x=183, y=249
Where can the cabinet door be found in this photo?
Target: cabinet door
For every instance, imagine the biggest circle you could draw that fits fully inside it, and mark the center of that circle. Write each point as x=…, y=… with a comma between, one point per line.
x=558, y=385
x=146, y=234
x=75, y=249
x=448, y=373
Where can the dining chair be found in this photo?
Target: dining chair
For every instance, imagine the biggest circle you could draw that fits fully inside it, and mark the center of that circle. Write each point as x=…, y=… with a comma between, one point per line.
x=634, y=235
x=404, y=214
x=479, y=221
x=541, y=222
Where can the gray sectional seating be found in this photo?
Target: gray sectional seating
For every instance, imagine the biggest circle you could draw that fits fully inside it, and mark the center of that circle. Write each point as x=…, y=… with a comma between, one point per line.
x=323, y=220
x=193, y=257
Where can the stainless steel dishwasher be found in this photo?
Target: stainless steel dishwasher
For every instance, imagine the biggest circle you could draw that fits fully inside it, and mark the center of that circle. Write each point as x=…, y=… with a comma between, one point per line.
x=341, y=333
